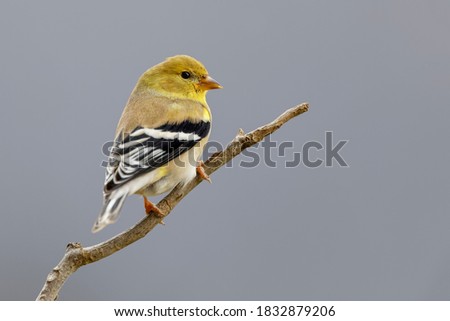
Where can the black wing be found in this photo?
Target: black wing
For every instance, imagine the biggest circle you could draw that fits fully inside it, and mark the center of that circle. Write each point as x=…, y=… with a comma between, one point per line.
x=146, y=149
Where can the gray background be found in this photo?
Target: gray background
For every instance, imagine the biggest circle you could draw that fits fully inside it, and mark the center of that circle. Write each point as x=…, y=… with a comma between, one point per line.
x=376, y=74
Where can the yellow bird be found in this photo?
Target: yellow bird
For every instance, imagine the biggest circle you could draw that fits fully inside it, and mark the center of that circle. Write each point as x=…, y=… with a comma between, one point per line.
x=160, y=136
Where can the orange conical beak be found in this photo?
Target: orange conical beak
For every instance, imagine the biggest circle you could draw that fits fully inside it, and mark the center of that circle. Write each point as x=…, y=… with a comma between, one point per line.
x=208, y=83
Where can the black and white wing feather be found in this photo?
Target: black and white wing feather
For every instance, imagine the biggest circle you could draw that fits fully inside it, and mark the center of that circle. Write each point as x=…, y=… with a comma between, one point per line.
x=146, y=149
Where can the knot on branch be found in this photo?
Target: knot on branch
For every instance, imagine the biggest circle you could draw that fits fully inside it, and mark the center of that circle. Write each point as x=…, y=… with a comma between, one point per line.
x=73, y=246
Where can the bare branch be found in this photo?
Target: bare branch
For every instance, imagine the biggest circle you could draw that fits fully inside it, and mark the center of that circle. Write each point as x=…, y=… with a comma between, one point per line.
x=76, y=256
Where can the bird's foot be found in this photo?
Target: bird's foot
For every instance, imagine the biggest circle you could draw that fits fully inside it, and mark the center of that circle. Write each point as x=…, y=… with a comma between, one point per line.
x=201, y=172
x=150, y=207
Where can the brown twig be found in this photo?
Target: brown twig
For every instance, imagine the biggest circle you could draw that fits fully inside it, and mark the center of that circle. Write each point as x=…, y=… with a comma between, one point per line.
x=76, y=256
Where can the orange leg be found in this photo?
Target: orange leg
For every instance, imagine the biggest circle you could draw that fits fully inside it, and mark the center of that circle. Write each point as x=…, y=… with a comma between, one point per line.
x=201, y=172
x=150, y=207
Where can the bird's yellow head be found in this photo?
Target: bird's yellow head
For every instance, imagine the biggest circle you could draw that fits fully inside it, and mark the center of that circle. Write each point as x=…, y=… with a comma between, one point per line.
x=179, y=77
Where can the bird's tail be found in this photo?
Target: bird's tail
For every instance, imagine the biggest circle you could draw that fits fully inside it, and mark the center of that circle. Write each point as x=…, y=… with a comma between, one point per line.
x=112, y=205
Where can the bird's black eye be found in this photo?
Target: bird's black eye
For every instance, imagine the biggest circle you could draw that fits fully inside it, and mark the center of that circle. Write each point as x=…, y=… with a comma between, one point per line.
x=185, y=74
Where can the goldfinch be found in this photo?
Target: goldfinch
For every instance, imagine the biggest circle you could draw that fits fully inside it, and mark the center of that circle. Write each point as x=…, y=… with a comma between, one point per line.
x=160, y=136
